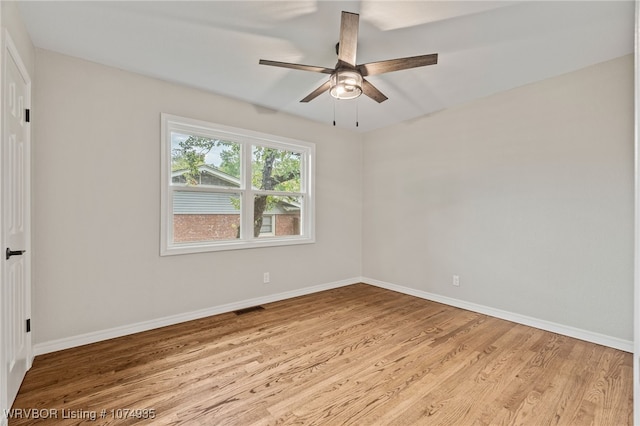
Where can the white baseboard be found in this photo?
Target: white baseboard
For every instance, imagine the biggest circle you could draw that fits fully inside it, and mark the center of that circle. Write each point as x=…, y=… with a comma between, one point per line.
x=589, y=336
x=93, y=337
x=84, y=339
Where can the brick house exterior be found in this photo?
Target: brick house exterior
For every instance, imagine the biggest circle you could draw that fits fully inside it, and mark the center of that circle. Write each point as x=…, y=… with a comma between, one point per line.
x=202, y=216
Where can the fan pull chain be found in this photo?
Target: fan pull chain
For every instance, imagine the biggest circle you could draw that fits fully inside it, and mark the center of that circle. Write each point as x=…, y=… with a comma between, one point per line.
x=334, y=112
x=357, y=103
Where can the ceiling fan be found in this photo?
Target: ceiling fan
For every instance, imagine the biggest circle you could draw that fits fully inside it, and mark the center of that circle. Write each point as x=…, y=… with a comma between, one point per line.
x=347, y=79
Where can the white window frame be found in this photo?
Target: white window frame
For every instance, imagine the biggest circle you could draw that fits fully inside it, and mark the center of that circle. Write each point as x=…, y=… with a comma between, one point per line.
x=247, y=138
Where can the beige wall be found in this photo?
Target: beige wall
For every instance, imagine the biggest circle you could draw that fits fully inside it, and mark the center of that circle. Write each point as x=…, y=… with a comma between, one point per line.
x=527, y=195
x=96, y=171
x=12, y=22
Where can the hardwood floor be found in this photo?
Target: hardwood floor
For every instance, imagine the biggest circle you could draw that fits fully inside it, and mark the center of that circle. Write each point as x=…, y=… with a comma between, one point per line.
x=356, y=355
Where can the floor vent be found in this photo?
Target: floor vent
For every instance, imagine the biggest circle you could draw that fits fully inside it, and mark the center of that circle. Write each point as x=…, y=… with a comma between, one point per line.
x=247, y=310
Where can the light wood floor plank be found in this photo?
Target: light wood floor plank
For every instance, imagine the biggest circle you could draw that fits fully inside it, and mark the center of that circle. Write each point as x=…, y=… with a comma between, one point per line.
x=357, y=355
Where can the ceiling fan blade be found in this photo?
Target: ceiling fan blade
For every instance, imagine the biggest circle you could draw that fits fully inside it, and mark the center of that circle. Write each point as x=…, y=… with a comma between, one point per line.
x=371, y=91
x=348, y=38
x=296, y=66
x=320, y=90
x=374, y=68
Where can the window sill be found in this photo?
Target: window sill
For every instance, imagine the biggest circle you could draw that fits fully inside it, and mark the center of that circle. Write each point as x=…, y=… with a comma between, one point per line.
x=208, y=246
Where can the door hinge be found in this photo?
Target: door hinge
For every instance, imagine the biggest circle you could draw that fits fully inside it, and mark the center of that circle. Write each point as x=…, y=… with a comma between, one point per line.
x=29, y=325
x=27, y=115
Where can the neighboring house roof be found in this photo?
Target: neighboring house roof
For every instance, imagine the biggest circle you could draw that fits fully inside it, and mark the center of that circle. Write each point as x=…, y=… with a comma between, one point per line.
x=209, y=175
x=289, y=206
x=191, y=202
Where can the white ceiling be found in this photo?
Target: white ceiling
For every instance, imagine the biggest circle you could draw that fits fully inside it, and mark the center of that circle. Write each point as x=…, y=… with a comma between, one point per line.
x=484, y=47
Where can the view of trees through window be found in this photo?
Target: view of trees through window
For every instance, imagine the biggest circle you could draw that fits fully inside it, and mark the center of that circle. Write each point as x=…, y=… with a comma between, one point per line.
x=226, y=188
x=272, y=169
x=192, y=152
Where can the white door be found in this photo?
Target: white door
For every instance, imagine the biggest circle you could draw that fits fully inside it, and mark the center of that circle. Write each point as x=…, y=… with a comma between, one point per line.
x=15, y=256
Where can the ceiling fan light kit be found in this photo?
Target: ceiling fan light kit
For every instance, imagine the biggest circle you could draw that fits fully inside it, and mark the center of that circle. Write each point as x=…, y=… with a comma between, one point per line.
x=346, y=84
x=347, y=79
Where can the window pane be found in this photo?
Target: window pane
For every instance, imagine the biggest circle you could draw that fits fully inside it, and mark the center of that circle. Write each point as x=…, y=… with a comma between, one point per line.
x=283, y=214
x=197, y=160
x=267, y=225
x=205, y=216
x=275, y=169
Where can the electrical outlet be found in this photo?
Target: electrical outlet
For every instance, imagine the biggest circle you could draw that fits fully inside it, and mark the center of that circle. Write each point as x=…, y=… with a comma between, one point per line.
x=456, y=280
x=266, y=279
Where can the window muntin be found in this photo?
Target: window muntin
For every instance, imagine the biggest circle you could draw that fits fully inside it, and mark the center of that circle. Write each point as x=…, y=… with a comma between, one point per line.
x=225, y=188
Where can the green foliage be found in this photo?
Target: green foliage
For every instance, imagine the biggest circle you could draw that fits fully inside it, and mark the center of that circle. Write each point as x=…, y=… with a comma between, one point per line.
x=271, y=169
x=190, y=155
x=275, y=169
x=230, y=156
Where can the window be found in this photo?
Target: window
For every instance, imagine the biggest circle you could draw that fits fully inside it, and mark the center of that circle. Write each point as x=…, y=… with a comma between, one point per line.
x=267, y=224
x=225, y=188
